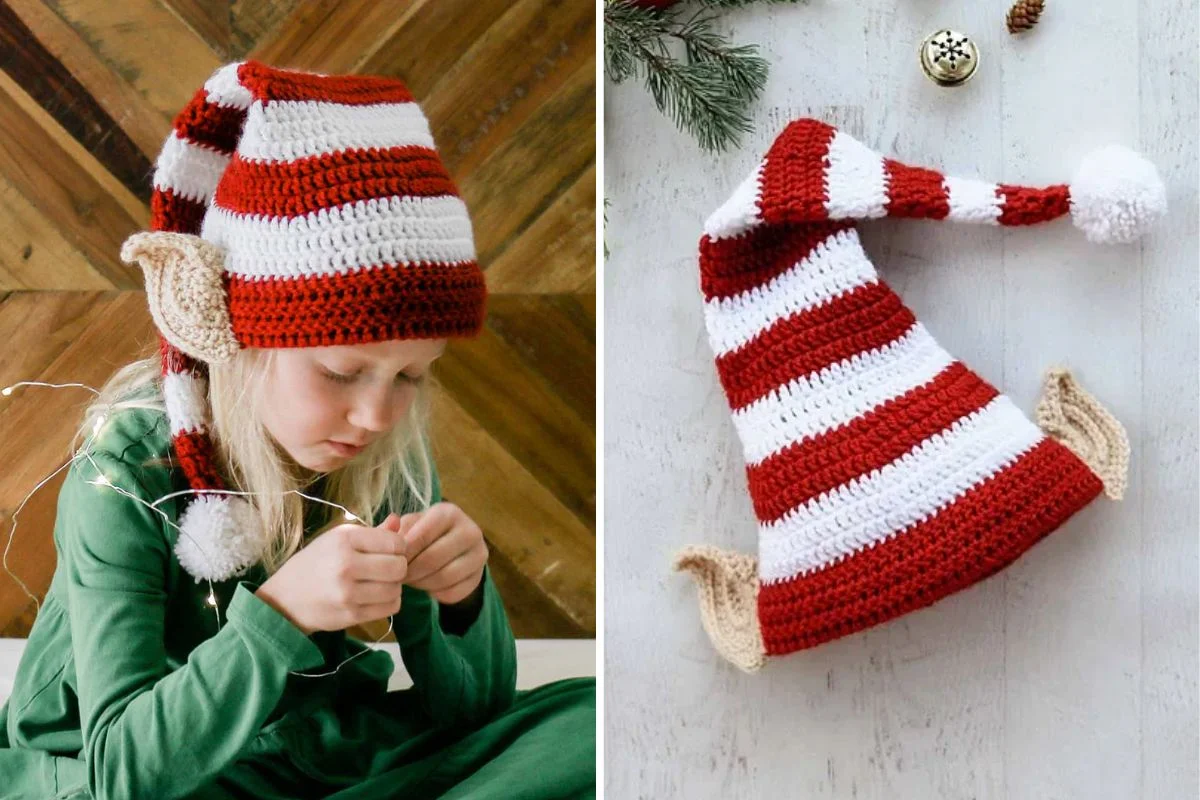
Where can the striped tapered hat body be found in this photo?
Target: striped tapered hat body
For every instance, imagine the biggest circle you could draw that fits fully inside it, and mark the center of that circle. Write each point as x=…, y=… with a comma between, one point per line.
x=884, y=473
x=338, y=223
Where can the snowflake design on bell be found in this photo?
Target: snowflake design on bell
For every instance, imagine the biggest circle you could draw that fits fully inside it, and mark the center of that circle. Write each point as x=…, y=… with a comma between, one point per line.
x=950, y=48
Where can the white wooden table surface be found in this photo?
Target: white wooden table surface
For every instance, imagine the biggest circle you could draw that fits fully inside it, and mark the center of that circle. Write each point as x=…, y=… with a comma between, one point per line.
x=1074, y=673
x=539, y=661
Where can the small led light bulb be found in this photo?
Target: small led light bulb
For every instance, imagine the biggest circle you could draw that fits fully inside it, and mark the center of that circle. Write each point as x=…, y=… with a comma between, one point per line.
x=101, y=481
x=99, y=424
x=212, y=599
x=350, y=516
x=6, y=391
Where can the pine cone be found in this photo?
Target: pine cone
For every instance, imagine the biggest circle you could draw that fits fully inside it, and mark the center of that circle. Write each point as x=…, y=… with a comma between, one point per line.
x=1024, y=15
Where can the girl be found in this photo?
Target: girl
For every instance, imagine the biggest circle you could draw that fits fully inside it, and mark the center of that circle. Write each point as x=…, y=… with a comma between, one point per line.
x=264, y=482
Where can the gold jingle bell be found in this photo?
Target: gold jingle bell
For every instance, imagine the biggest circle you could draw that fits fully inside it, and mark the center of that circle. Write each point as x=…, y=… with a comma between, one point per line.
x=948, y=57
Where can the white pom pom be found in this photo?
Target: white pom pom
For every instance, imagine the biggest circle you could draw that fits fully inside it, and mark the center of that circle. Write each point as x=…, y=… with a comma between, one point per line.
x=1116, y=196
x=220, y=537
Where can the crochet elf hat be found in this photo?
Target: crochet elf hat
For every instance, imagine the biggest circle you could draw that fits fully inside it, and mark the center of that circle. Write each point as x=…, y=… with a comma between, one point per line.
x=883, y=472
x=292, y=209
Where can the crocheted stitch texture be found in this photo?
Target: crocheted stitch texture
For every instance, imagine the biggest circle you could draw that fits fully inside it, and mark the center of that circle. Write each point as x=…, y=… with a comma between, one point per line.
x=884, y=473
x=292, y=209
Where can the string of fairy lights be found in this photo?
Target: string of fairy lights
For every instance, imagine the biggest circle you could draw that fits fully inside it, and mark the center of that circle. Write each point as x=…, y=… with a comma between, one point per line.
x=102, y=480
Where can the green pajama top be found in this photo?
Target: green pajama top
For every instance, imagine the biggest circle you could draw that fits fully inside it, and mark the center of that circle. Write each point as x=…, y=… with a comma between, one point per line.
x=128, y=688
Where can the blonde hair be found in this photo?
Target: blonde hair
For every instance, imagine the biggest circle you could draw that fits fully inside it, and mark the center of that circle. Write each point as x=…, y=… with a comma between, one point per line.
x=396, y=469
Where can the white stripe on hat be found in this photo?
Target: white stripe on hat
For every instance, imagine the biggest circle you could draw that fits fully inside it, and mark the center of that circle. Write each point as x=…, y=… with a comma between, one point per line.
x=855, y=180
x=185, y=396
x=741, y=211
x=224, y=88
x=972, y=200
x=366, y=233
x=288, y=130
x=189, y=170
x=836, y=266
x=874, y=507
x=822, y=401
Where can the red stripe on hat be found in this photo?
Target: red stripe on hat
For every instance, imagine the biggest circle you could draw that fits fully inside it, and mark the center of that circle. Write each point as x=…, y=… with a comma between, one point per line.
x=807, y=469
x=268, y=83
x=731, y=266
x=174, y=360
x=980, y=533
x=296, y=188
x=413, y=301
x=852, y=323
x=175, y=213
x=212, y=125
x=1021, y=205
x=793, y=182
x=915, y=191
x=194, y=451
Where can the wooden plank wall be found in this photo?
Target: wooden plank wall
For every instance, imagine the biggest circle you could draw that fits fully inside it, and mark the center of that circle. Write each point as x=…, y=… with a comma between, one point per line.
x=87, y=93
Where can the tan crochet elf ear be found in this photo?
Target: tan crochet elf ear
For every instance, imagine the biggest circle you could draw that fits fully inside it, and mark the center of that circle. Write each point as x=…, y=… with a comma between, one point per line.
x=185, y=292
x=727, y=583
x=1067, y=412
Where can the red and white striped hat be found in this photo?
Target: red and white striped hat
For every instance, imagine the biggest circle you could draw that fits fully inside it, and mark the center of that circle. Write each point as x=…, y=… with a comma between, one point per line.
x=292, y=209
x=884, y=473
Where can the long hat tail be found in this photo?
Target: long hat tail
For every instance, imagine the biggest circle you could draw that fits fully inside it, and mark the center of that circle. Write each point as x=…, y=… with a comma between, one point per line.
x=817, y=173
x=219, y=533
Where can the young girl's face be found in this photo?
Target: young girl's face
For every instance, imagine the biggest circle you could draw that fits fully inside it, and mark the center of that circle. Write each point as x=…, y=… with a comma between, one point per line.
x=353, y=394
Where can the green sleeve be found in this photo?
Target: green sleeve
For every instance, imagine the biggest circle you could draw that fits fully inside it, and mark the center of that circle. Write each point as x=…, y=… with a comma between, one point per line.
x=148, y=731
x=462, y=678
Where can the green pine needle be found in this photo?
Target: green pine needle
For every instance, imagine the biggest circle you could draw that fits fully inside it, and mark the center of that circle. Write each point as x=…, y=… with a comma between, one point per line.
x=709, y=91
x=739, y=3
x=605, y=236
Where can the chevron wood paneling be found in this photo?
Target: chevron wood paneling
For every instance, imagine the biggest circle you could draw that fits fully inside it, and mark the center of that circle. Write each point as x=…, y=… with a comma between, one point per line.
x=86, y=99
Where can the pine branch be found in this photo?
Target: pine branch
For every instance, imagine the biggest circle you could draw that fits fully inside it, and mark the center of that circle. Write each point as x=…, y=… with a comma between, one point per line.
x=708, y=94
x=741, y=66
x=628, y=31
x=605, y=236
x=739, y=3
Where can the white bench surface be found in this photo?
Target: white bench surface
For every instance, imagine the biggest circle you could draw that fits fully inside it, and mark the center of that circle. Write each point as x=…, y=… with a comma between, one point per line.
x=539, y=661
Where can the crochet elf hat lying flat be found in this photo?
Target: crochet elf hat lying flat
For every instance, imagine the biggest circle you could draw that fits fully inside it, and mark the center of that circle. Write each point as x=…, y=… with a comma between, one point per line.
x=292, y=209
x=884, y=473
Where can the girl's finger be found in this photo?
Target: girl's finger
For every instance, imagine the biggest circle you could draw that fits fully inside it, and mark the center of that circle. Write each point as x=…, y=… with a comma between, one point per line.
x=460, y=568
x=370, y=593
x=460, y=590
x=378, y=567
x=428, y=528
x=452, y=544
x=374, y=612
x=375, y=540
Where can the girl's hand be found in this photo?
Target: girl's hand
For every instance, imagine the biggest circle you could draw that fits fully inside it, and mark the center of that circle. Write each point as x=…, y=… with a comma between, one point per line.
x=446, y=552
x=348, y=575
